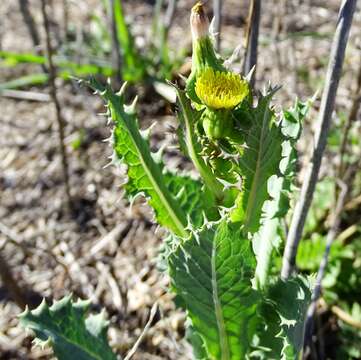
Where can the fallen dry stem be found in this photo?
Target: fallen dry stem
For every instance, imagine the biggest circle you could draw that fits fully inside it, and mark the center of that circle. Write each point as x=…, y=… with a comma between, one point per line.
x=133, y=350
x=345, y=317
x=340, y=313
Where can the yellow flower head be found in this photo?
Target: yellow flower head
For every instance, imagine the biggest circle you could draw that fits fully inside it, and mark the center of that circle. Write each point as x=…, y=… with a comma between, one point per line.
x=220, y=90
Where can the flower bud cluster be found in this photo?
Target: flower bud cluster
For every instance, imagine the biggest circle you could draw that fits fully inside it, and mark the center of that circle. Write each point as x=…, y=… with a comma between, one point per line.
x=211, y=86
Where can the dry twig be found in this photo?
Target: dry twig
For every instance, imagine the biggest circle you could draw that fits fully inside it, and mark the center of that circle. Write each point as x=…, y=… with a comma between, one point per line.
x=31, y=26
x=251, y=39
x=217, y=13
x=53, y=94
x=29, y=21
x=133, y=350
x=345, y=317
x=327, y=105
x=113, y=236
x=25, y=95
x=353, y=203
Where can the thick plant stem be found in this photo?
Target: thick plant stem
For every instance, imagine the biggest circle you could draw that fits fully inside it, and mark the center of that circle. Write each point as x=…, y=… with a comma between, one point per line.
x=53, y=94
x=327, y=105
x=217, y=13
x=251, y=43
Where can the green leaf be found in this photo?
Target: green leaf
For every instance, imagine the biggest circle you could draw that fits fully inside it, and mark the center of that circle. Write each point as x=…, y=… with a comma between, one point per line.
x=133, y=67
x=144, y=173
x=211, y=272
x=66, y=67
x=284, y=312
x=350, y=347
x=291, y=301
x=23, y=81
x=323, y=199
x=278, y=189
x=72, y=335
x=260, y=159
x=267, y=237
x=342, y=279
x=191, y=196
x=310, y=252
x=199, y=350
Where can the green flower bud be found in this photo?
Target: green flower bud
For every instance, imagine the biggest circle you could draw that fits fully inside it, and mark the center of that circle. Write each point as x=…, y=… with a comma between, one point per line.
x=217, y=124
x=210, y=86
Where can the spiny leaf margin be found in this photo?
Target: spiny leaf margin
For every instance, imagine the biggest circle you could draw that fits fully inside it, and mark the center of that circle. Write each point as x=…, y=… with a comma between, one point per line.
x=279, y=188
x=72, y=335
x=143, y=168
x=211, y=273
x=260, y=156
x=284, y=313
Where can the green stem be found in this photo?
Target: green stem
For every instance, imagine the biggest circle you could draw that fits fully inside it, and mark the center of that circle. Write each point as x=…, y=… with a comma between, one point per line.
x=209, y=178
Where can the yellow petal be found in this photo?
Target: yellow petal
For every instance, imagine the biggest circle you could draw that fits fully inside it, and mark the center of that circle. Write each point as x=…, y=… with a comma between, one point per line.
x=220, y=90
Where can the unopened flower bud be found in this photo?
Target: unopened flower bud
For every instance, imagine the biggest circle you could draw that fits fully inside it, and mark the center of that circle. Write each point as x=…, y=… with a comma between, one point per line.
x=203, y=51
x=199, y=22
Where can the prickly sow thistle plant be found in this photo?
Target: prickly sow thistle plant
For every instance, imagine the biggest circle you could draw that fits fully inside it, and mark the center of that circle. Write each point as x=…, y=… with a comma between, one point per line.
x=224, y=226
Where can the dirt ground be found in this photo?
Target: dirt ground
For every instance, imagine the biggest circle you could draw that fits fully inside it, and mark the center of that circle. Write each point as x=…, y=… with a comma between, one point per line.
x=105, y=250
